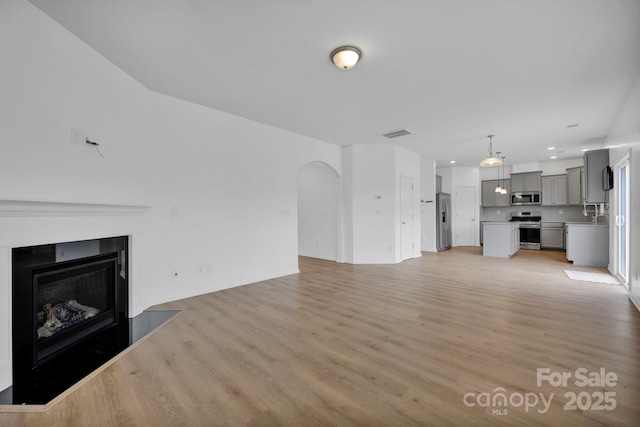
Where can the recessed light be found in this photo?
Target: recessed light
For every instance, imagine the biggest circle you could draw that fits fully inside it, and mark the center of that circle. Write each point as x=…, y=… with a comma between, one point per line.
x=554, y=157
x=584, y=149
x=452, y=161
x=551, y=148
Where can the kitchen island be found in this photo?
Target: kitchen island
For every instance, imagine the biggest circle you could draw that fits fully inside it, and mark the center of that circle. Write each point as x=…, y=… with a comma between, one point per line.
x=500, y=239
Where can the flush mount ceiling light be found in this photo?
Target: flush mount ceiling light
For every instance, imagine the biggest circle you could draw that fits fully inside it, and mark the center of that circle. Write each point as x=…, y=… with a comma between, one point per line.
x=346, y=57
x=491, y=161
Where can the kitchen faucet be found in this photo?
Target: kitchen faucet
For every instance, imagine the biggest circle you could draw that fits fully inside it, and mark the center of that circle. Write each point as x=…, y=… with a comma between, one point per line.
x=595, y=213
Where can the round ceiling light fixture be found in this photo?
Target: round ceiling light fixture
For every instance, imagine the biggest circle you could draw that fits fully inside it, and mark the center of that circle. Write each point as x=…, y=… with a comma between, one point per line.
x=346, y=57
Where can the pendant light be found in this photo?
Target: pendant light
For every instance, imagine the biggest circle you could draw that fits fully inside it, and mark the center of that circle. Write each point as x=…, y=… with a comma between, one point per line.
x=498, y=187
x=504, y=177
x=491, y=161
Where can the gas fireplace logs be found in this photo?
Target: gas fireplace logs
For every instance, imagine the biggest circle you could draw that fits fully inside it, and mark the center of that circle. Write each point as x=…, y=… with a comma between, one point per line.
x=62, y=316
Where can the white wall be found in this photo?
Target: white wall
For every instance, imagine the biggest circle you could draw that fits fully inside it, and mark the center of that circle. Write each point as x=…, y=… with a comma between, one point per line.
x=371, y=175
x=52, y=82
x=318, y=203
x=233, y=184
x=230, y=183
x=624, y=138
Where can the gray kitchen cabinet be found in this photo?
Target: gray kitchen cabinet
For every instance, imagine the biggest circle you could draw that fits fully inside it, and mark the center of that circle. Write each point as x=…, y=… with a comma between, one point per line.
x=554, y=190
x=575, y=187
x=594, y=162
x=587, y=244
x=527, y=181
x=552, y=235
x=492, y=199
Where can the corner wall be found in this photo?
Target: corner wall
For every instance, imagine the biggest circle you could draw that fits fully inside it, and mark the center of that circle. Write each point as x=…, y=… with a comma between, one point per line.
x=372, y=176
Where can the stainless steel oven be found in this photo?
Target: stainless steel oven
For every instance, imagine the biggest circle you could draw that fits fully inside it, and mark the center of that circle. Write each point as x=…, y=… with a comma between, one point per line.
x=529, y=224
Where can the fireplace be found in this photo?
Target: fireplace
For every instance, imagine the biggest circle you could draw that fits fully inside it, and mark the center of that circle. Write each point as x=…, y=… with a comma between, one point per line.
x=71, y=301
x=69, y=312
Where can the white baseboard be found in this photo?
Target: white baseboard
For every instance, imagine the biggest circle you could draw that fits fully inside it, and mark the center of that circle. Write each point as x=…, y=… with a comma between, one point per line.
x=202, y=291
x=635, y=300
x=312, y=255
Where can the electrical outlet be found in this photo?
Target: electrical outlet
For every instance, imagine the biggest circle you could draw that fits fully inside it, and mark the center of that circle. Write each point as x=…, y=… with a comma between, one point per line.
x=560, y=211
x=200, y=269
x=77, y=137
x=498, y=212
x=209, y=268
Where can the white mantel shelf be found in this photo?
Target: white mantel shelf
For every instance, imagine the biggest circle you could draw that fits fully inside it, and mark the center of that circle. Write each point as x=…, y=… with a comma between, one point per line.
x=39, y=208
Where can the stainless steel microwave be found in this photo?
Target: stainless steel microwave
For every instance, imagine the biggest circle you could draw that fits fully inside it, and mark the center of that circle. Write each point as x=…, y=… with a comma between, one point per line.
x=525, y=198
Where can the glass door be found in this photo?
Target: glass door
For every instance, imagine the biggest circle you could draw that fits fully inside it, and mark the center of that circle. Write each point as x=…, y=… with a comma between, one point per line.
x=621, y=216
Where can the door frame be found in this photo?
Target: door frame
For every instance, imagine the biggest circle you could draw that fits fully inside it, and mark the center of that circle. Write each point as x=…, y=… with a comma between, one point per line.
x=455, y=226
x=411, y=218
x=624, y=162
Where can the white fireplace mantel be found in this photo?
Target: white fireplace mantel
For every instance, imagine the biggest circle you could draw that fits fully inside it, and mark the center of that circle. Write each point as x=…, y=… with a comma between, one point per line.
x=36, y=222
x=41, y=208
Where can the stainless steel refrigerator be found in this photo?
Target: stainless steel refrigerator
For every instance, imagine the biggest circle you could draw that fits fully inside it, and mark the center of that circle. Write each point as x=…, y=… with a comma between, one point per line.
x=443, y=227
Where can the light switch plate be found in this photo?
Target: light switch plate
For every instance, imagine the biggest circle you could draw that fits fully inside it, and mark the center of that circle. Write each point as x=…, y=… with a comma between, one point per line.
x=77, y=137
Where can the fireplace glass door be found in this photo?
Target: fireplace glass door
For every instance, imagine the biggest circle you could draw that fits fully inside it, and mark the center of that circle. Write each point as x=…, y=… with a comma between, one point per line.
x=71, y=301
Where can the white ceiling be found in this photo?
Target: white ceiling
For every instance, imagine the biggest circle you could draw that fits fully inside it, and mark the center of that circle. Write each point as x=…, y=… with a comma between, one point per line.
x=450, y=71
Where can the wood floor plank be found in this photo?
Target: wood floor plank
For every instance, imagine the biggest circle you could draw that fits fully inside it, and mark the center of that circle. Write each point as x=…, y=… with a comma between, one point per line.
x=374, y=345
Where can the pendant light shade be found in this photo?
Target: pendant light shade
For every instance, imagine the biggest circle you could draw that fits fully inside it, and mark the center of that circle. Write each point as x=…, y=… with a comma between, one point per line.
x=498, y=187
x=346, y=57
x=504, y=189
x=491, y=161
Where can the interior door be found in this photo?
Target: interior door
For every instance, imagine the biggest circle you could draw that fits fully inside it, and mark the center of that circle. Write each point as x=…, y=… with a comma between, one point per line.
x=465, y=211
x=406, y=217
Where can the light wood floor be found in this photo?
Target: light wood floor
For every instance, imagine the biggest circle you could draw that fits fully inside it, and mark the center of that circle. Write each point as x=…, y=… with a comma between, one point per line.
x=374, y=345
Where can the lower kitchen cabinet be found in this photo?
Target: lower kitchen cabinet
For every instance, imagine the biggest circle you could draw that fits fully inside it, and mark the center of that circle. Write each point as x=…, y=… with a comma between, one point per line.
x=587, y=244
x=552, y=235
x=500, y=239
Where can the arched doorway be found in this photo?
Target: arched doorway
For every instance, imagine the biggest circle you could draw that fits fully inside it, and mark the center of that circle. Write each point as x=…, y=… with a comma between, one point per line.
x=319, y=219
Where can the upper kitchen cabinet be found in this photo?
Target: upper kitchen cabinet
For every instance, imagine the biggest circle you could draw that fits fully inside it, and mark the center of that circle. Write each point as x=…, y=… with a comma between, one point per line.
x=492, y=199
x=575, y=186
x=594, y=162
x=554, y=190
x=528, y=181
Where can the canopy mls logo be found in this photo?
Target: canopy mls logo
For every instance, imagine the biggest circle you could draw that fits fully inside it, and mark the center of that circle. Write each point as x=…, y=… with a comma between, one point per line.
x=499, y=400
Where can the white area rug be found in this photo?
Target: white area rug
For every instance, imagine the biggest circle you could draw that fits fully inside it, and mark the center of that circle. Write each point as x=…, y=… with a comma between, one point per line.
x=592, y=277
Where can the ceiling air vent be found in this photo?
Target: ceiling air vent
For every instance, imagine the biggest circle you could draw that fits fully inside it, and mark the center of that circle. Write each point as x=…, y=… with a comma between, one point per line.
x=397, y=133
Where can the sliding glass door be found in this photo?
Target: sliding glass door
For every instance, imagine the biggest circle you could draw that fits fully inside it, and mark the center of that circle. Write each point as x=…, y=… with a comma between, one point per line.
x=621, y=216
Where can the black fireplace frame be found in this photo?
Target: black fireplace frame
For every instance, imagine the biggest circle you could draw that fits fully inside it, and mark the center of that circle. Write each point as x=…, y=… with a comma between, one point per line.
x=36, y=380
